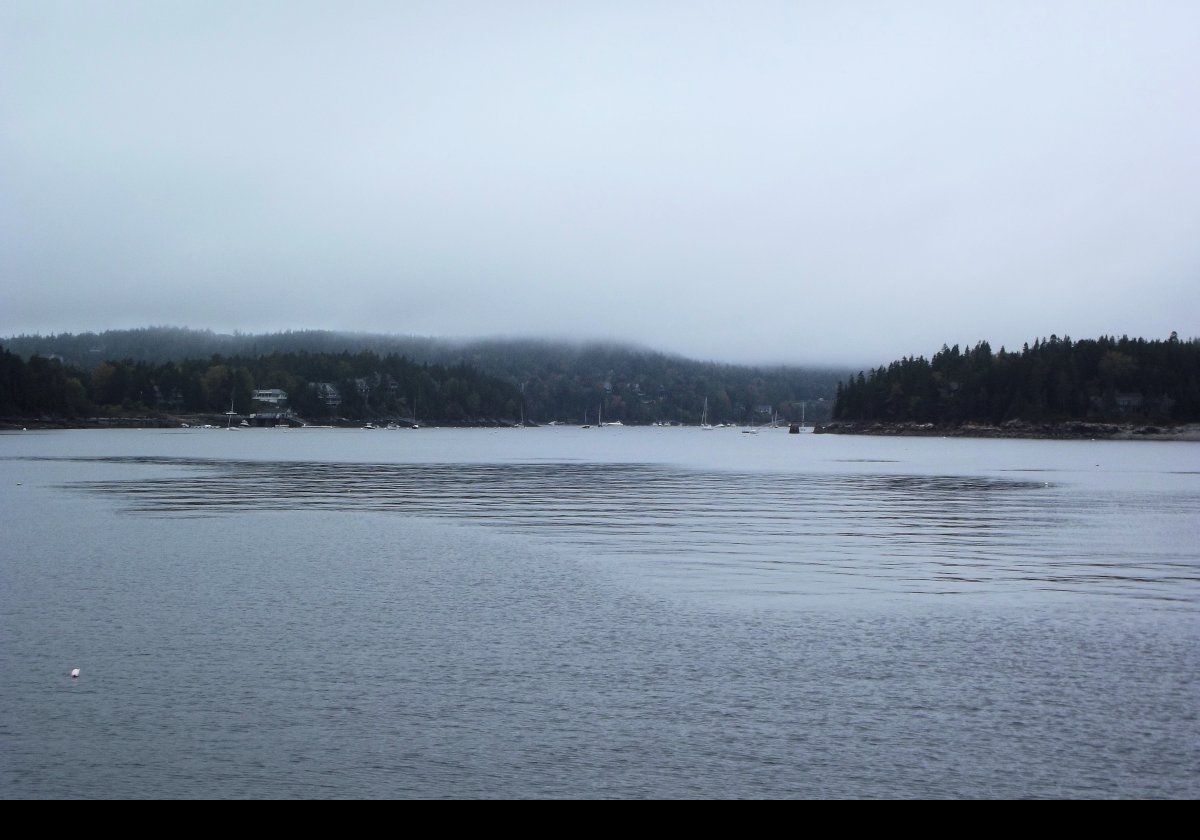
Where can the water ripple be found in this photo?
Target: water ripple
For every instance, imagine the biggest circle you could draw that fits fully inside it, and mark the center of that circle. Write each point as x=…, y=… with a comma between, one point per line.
x=816, y=533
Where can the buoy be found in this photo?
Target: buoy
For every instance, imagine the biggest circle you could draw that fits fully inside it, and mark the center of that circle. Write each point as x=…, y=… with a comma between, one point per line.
x=74, y=673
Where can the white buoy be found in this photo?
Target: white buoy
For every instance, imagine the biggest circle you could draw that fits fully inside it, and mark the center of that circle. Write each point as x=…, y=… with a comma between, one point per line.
x=74, y=673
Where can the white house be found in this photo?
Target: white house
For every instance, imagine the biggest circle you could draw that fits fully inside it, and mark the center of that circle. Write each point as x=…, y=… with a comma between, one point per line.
x=270, y=395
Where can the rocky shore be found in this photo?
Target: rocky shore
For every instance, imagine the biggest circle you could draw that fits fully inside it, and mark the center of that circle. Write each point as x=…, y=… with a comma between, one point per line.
x=1070, y=430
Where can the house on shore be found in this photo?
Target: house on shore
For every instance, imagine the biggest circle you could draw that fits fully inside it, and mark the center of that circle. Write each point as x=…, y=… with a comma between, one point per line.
x=274, y=396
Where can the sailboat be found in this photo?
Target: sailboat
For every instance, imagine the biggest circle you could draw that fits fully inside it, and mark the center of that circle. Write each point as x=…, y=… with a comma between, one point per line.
x=231, y=413
x=704, y=416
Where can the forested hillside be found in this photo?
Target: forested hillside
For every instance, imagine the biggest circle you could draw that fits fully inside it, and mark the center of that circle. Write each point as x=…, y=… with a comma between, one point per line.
x=559, y=380
x=1110, y=379
x=367, y=387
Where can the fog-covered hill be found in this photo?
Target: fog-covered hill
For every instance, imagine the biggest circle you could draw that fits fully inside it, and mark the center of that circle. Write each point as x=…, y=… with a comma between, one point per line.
x=561, y=380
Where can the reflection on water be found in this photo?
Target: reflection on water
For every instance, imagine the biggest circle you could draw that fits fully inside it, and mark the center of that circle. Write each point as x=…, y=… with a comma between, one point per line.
x=761, y=533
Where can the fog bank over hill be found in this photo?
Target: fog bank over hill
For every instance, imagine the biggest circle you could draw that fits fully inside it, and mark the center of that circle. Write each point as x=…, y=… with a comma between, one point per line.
x=495, y=353
x=560, y=379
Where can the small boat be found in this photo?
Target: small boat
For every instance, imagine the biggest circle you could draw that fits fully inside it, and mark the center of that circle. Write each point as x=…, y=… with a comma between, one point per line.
x=798, y=428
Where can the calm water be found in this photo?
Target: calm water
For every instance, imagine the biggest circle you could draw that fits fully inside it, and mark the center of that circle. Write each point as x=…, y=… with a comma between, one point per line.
x=617, y=612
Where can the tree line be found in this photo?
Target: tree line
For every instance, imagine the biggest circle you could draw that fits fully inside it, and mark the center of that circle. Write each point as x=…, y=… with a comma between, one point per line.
x=552, y=380
x=575, y=383
x=1104, y=379
x=368, y=386
x=615, y=384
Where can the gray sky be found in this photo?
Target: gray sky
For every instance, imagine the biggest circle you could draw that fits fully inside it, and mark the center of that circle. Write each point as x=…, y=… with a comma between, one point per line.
x=808, y=182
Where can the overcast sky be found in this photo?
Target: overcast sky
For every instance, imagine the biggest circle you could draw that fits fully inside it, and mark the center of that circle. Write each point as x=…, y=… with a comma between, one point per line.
x=808, y=182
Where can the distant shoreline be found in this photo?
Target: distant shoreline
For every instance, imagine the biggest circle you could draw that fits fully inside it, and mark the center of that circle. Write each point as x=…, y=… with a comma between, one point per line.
x=16, y=424
x=1013, y=429
x=1069, y=430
